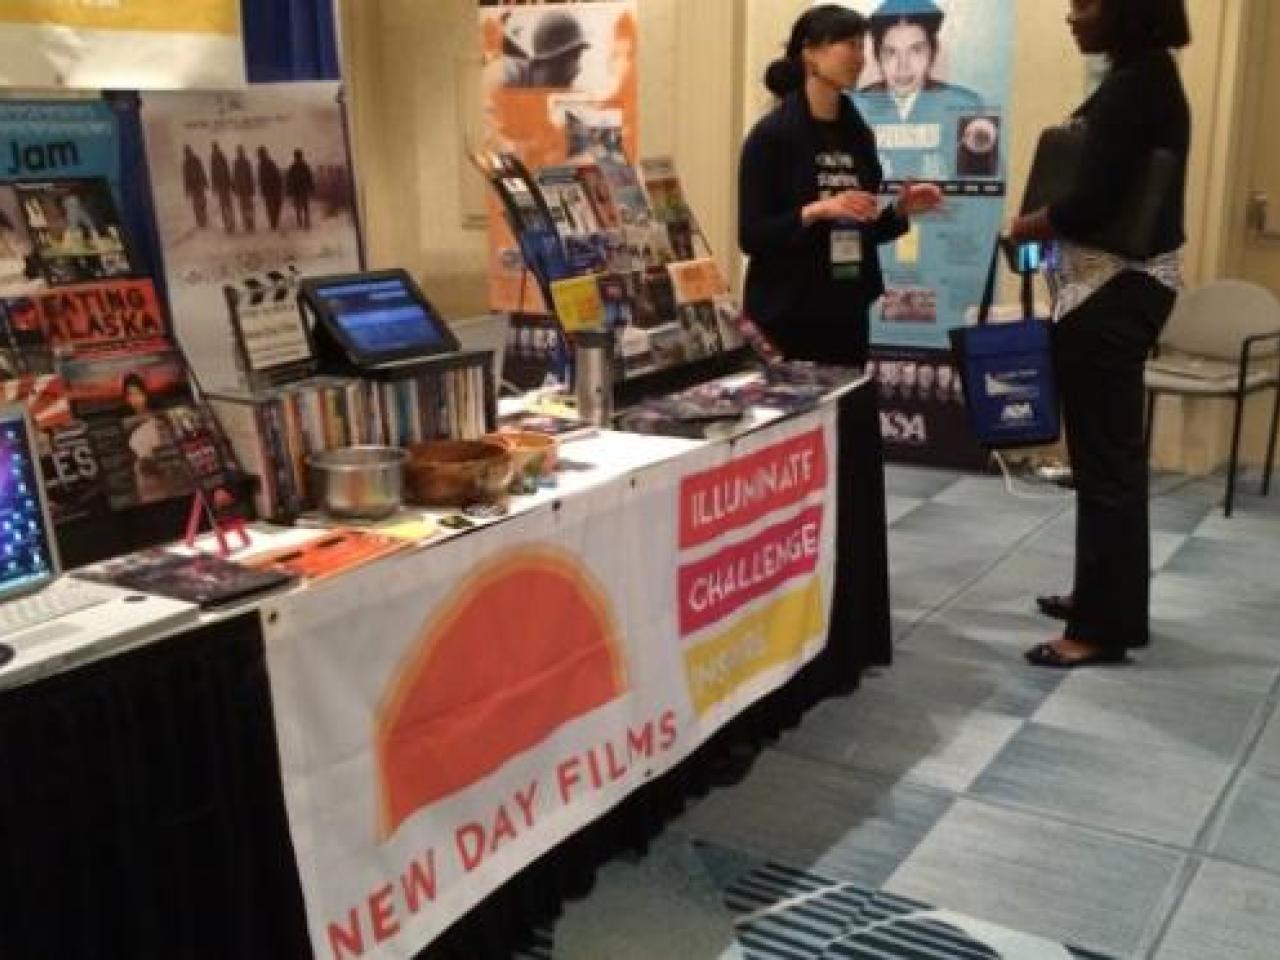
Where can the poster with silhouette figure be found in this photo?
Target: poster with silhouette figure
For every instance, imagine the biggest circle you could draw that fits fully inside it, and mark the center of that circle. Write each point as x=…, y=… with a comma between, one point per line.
x=246, y=183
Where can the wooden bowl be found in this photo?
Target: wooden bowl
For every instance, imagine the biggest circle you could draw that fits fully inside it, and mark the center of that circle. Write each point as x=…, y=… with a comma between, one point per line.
x=533, y=454
x=457, y=473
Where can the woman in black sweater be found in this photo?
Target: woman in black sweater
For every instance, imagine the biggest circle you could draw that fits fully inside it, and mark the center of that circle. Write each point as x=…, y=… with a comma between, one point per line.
x=1109, y=312
x=809, y=217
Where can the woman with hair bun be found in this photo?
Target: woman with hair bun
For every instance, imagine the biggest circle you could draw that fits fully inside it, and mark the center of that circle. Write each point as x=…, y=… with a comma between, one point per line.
x=809, y=214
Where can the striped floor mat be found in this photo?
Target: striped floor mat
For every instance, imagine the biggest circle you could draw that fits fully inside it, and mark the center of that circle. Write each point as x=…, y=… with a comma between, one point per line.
x=780, y=913
x=787, y=914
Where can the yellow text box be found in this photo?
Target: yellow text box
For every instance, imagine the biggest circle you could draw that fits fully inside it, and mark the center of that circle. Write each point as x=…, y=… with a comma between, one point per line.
x=160, y=16
x=770, y=637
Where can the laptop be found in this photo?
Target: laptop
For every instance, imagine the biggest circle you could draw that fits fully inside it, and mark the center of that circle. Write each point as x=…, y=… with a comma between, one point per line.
x=47, y=618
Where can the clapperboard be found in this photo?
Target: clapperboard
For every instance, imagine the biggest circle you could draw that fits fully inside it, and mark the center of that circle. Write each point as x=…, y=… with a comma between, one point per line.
x=273, y=344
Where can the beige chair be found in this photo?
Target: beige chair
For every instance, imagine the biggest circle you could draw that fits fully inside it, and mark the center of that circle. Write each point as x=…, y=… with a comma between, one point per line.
x=1222, y=340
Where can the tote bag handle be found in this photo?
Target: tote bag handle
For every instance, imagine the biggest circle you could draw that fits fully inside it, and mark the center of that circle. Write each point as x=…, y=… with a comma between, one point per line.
x=1009, y=248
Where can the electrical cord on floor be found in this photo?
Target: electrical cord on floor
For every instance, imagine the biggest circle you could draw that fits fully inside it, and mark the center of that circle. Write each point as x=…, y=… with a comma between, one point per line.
x=1010, y=482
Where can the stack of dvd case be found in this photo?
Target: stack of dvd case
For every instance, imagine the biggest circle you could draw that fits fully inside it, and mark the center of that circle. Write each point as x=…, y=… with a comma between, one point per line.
x=274, y=431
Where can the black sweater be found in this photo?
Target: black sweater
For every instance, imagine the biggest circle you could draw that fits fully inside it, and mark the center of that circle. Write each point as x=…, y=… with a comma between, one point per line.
x=1139, y=106
x=790, y=291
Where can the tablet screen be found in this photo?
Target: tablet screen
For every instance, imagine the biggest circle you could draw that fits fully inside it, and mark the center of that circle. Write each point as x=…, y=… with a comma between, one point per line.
x=382, y=316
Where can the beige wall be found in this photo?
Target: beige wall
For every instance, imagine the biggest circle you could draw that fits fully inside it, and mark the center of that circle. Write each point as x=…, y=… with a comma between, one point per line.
x=703, y=104
x=1258, y=146
x=403, y=63
x=768, y=26
x=1242, y=158
x=1213, y=78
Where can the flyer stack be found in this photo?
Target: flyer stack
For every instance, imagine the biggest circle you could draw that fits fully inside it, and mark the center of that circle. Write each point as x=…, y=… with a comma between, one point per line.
x=611, y=246
x=274, y=431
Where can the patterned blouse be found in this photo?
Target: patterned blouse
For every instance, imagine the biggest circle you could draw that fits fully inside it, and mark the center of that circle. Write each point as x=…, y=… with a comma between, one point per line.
x=1076, y=272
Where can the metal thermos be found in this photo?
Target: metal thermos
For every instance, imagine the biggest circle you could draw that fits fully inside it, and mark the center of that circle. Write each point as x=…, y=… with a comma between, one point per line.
x=593, y=376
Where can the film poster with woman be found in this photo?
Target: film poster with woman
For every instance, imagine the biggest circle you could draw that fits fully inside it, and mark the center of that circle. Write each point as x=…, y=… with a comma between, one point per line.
x=111, y=345
x=935, y=89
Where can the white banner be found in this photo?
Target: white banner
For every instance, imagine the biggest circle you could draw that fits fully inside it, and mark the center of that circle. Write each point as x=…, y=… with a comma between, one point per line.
x=122, y=44
x=446, y=717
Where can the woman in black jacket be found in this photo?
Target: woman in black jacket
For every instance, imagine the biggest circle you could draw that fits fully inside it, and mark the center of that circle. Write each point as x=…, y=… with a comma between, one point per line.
x=809, y=217
x=1109, y=312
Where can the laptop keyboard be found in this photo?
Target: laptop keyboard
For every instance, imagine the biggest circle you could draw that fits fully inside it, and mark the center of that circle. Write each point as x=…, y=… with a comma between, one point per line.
x=62, y=598
x=39, y=636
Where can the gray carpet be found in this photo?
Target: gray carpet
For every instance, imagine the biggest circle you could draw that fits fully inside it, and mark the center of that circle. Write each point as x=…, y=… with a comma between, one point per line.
x=962, y=804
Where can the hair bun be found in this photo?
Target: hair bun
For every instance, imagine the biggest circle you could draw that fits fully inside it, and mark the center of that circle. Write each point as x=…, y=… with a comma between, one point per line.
x=783, y=76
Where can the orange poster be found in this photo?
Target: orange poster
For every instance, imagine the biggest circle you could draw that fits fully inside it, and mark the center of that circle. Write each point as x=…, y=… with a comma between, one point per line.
x=559, y=79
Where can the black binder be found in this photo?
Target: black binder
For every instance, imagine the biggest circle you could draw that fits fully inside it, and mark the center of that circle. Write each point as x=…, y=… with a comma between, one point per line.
x=1131, y=233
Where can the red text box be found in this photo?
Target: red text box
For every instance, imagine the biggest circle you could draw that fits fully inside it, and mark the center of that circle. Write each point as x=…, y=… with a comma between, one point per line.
x=738, y=494
x=720, y=585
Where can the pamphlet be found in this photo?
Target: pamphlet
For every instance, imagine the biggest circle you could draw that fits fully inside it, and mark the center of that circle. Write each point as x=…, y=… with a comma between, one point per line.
x=670, y=208
x=578, y=303
x=202, y=579
x=273, y=345
x=340, y=550
x=73, y=475
x=75, y=230
x=697, y=280
x=20, y=268
x=561, y=427
x=574, y=217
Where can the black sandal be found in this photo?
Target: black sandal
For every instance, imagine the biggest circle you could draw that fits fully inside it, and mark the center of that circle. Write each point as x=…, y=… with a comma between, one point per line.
x=1047, y=655
x=1058, y=606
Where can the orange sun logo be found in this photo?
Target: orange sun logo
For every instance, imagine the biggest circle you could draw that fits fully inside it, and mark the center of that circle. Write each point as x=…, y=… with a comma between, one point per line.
x=526, y=645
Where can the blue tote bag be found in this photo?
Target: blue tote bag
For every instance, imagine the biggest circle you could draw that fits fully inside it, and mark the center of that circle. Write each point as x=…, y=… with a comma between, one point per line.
x=1007, y=372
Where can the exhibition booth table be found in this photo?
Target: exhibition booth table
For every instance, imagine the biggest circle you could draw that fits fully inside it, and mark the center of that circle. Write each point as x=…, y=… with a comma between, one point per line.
x=427, y=754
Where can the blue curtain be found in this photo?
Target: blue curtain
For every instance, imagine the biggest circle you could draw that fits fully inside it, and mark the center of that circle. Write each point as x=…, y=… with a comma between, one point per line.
x=290, y=41
x=137, y=206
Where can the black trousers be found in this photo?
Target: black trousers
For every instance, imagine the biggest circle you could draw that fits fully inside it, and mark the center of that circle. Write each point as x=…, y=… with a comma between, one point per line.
x=1099, y=350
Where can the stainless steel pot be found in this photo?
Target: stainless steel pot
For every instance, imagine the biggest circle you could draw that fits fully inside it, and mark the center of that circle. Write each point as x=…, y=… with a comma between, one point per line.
x=365, y=483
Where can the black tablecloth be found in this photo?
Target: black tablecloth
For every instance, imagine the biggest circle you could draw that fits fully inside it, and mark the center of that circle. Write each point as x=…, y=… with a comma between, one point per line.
x=141, y=814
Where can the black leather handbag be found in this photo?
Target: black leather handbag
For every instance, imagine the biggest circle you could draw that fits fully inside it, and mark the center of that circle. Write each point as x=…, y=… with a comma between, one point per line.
x=1054, y=171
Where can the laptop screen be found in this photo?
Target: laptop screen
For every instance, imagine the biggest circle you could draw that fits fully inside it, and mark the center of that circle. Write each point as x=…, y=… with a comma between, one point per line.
x=26, y=550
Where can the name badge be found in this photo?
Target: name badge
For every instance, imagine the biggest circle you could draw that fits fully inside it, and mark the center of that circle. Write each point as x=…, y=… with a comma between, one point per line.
x=846, y=253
